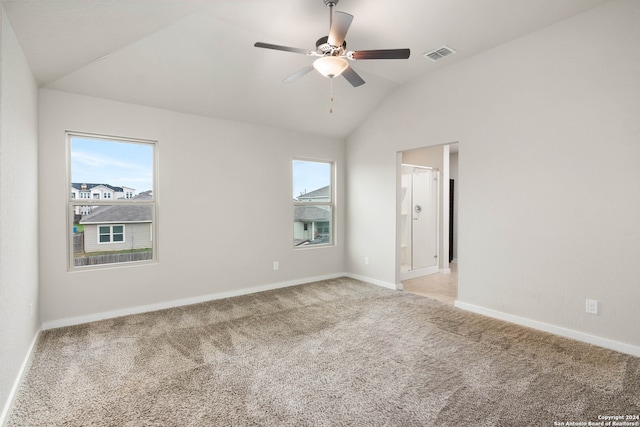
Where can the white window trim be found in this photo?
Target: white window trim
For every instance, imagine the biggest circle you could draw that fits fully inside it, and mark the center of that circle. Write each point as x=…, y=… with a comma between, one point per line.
x=72, y=204
x=331, y=203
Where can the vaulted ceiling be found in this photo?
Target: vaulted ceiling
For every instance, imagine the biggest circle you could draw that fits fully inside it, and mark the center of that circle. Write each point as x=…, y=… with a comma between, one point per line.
x=197, y=56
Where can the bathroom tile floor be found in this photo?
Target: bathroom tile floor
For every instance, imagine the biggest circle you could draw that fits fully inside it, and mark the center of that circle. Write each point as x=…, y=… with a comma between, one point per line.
x=440, y=286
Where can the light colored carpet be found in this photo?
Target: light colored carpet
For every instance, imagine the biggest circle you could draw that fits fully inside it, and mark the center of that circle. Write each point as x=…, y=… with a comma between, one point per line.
x=337, y=352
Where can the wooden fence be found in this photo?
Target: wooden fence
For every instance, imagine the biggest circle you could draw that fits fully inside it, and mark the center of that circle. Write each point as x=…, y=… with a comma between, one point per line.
x=112, y=258
x=78, y=242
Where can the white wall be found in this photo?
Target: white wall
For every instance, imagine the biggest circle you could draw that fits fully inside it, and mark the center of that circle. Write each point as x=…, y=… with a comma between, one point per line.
x=225, y=208
x=549, y=179
x=18, y=212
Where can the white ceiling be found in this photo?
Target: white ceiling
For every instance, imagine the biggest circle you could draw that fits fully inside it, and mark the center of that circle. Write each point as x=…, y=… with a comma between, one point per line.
x=197, y=56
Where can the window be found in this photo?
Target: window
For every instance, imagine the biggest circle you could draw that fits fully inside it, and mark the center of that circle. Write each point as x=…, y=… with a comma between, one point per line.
x=322, y=227
x=313, y=206
x=110, y=233
x=112, y=220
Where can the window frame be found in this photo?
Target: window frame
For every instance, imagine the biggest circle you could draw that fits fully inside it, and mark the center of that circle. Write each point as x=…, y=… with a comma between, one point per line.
x=331, y=203
x=111, y=234
x=80, y=202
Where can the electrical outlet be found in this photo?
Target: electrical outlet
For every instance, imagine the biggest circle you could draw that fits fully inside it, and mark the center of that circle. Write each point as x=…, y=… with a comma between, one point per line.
x=276, y=265
x=366, y=260
x=592, y=306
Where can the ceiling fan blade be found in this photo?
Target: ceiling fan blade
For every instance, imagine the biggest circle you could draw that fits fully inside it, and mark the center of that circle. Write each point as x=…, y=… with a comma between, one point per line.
x=339, y=26
x=352, y=77
x=380, y=54
x=298, y=74
x=284, y=48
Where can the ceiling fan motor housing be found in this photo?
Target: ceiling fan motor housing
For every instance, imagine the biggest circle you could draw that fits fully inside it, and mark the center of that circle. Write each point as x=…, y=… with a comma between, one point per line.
x=325, y=49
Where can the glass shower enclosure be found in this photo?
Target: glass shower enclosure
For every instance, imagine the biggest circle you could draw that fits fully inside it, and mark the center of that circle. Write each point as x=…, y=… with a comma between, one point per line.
x=419, y=221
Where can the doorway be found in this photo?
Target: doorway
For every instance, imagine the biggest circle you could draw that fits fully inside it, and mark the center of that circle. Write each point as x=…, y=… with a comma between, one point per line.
x=420, y=222
x=410, y=275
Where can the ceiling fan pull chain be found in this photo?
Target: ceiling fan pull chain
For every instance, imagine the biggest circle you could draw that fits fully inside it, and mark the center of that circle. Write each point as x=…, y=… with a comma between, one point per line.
x=330, y=96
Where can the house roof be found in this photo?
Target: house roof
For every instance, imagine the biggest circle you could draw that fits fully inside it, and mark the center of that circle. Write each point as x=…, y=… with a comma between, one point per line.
x=121, y=213
x=311, y=214
x=323, y=192
x=118, y=213
x=145, y=195
x=78, y=186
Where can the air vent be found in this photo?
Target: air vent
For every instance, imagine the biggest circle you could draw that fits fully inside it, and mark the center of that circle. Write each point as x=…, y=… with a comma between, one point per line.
x=438, y=54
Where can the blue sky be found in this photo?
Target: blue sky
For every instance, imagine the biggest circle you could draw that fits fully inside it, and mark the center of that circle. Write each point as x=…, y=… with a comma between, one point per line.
x=110, y=162
x=310, y=176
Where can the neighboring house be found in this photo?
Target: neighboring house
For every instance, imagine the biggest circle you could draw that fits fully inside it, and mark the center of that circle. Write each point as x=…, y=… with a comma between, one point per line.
x=320, y=195
x=312, y=223
x=119, y=227
x=98, y=192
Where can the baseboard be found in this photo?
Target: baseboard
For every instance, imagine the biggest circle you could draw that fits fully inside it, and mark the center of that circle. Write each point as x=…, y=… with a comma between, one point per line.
x=4, y=415
x=557, y=330
x=373, y=281
x=70, y=321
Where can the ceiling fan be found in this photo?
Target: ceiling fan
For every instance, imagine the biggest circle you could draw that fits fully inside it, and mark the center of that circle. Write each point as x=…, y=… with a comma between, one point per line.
x=332, y=51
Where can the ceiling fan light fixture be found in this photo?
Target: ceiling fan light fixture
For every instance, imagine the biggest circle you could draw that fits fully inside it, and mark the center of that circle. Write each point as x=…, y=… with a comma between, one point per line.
x=330, y=66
